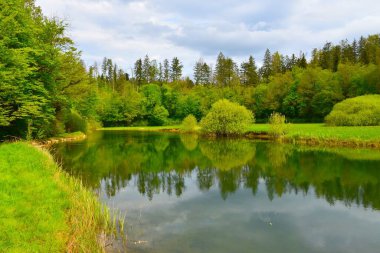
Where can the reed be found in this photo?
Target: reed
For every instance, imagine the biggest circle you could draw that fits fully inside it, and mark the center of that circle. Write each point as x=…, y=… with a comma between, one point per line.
x=43, y=209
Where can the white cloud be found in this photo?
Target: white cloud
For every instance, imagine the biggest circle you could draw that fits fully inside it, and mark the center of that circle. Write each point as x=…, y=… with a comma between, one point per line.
x=127, y=30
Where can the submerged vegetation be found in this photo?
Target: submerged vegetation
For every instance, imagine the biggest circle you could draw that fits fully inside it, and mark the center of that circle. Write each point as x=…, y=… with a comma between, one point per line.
x=43, y=209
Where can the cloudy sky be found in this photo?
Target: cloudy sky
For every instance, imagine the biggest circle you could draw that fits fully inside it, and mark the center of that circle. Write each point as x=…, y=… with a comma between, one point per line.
x=125, y=30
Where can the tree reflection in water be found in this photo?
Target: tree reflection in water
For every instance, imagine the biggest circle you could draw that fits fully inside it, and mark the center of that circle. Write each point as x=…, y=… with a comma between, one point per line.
x=161, y=162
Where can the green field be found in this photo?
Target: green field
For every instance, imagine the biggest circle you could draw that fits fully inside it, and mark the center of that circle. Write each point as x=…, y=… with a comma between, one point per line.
x=142, y=128
x=309, y=133
x=323, y=132
x=41, y=208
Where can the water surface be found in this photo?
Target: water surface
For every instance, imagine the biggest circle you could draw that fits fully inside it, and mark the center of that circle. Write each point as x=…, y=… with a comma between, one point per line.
x=183, y=193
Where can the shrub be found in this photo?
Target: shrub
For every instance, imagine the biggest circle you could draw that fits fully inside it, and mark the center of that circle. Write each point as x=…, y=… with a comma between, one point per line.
x=189, y=124
x=358, y=111
x=74, y=122
x=277, y=124
x=159, y=116
x=227, y=118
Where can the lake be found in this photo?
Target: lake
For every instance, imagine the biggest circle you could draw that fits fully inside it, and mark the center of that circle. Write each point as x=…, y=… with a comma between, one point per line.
x=184, y=193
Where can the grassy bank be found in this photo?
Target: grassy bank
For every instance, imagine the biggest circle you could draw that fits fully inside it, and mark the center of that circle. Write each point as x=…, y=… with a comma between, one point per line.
x=329, y=135
x=143, y=128
x=44, y=210
x=312, y=134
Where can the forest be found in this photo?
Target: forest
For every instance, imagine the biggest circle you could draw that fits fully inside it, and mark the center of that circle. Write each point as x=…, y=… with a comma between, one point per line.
x=46, y=89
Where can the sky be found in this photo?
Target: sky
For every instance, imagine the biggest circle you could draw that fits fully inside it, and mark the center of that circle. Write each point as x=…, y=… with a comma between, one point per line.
x=125, y=30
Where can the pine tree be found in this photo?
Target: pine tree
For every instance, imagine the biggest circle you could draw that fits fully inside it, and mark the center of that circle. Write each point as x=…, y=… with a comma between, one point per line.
x=277, y=65
x=138, y=69
x=166, y=73
x=362, y=53
x=202, y=73
x=355, y=51
x=146, y=69
x=266, y=69
x=160, y=73
x=301, y=61
x=220, y=69
x=153, y=71
x=176, y=70
x=248, y=72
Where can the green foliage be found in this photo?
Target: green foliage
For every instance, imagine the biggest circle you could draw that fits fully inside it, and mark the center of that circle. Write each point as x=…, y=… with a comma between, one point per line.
x=42, y=77
x=189, y=124
x=74, y=122
x=358, y=111
x=41, y=73
x=159, y=116
x=277, y=125
x=227, y=118
x=189, y=105
x=227, y=154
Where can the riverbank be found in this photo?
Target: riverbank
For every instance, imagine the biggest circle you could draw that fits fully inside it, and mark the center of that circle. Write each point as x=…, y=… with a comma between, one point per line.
x=174, y=128
x=321, y=134
x=75, y=136
x=309, y=134
x=42, y=209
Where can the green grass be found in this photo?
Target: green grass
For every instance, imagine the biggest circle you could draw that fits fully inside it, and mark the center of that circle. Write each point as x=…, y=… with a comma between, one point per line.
x=367, y=136
x=42, y=209
x=332, y=135
x=142, y=128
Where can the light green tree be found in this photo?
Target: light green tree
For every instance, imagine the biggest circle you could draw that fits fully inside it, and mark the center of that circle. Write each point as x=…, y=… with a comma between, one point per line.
x=227, y=118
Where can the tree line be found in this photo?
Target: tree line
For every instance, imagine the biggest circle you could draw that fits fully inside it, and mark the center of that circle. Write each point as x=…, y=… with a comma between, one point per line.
x=46, y=89
x=303, y=90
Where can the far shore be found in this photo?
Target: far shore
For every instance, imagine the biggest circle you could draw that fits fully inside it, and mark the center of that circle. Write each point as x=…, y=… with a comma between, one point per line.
x=307, y=134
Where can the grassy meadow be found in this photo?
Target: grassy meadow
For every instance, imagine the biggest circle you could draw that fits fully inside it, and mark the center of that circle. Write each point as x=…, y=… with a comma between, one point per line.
x=366, y=136
x=142, y=128
x=44, y=210
x=322, y=131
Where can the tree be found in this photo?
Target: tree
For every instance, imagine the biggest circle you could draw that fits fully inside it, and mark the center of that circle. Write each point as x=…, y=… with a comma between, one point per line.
x=146, y=68
x=301, y=61
x=166, y=71
x=202, y=73
x=277, y=64
x=138, y=69
x=248, y=72
x=39, y=72
x=159, y=116
x=226, y=72
x=227, y=118
x=266, y=69
x=160, y=73
x=189, y=124
x=176, y=69
x=153, y=71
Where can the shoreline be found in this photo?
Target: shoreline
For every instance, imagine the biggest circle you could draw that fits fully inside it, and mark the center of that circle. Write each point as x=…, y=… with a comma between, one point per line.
x=310, y=137
x=69, y=137
x=68, y=217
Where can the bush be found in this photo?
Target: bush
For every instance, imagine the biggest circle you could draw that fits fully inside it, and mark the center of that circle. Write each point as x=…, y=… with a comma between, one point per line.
x=358, y=111
x=227, y=118
x=159, y=116
x=277, y=125
x=74, y=122
x=189, y=124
